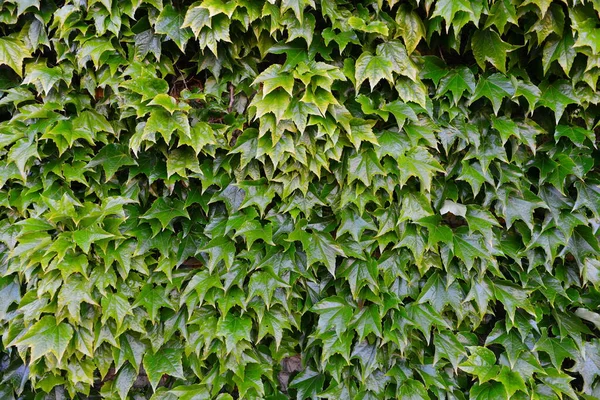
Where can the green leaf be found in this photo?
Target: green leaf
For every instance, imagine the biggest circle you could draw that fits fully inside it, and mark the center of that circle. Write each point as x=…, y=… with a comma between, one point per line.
x=447, y=346
x=197, y=18
x=274, y=77
x=111, y=158
x=511, y=380
x=169, y=23
x=276, y=102
x=559, y=382
x=489, y=391
x=47, y=336
x=457, y=81
x=373, y=68
x=201, y=135
x=412, y=389
x=588, y=195
x=297, y=6
x=502, y=12
x=334, y=313
x=180, y=160
x=447, y=9
x=234, y=329
x=576, y=134
x=587, y=363
x=115, y=306
x=367, y=321
x=165, y=210
x=469, y=246
x=480, y=363
x=152, y=299
x=166, y=361
x=125, y=379
x=364, y=166
x=320, y=248
x=495, y=87
x=21, y=152
x=420, y=163
x=308, y=383
x=12, y=53
x=410, y=27
x=395, y=52
x=84, y=238
x=557, y=349
x=488, y=46
x=557, y=96
x=512, y=296
x=560, y=50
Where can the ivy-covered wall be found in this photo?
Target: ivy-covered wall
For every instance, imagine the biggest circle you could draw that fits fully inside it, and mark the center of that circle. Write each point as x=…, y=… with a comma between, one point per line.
x=324, y=199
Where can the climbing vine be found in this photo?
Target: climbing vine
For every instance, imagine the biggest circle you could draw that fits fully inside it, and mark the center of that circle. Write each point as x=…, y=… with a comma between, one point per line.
x=310, y=199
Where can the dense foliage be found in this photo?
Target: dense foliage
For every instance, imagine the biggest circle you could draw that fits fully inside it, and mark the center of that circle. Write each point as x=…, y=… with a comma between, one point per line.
x=299, y=199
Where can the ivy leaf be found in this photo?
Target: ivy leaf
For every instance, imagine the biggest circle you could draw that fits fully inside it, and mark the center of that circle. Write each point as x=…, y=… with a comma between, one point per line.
x=274, y=77
x=334, y=313
x=488, y=46
x=84, y=238
x=234, y=329
x=587, y=363
x=559, y=382
x=488, y=391
x=274, y=322
x=197, y=18
x=152, y=299
x=321, y=249
x=588, y=195
x=308, y=383
x=420, y=163
x=165, y=361
x=512, y=296
x=501, y=12
x=180, y=160
x=373, y=68
x=297, y=6
x=395, y=52
x=469, y=246
x=169, y=23
x=165, y=210
x=115, y=306
x=495, y=87
x=201, y=135
x=447, y=9
x=412, y=389
x=216, y=7
x=480, y=363
x=21, y=152
x=363, y=166
x=276, y=102
x=12, y=53
x=447, y=346
x=47, y=336
x=557, y=349
x=574, y=133
x=411, y=27
x=557, y=96
x=111, y=158
x=125, y=380
x=511, y=381
x=457, y=81
x=560, y=50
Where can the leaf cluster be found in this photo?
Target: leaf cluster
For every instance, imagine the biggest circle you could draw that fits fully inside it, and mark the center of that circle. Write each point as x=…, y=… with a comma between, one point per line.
x=271, y=199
